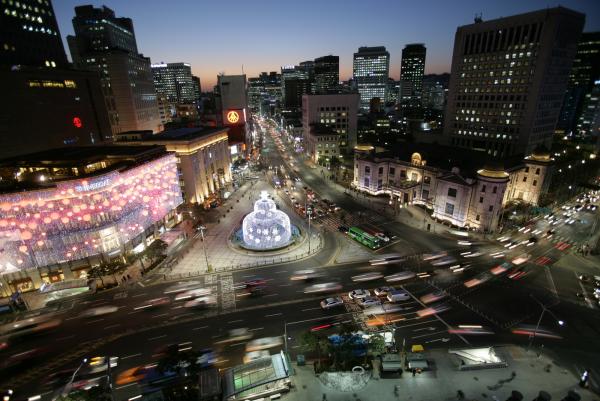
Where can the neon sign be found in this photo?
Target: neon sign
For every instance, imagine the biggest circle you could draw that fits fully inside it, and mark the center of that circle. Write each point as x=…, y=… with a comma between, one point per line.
x=77, y=122
x=233, y=116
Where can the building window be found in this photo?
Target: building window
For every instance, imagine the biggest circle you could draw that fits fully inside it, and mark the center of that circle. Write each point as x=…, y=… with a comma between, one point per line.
x=526, y=169
x=483, y=188
x=392, y=170
x=490, y=208
x=537, y=171
x=380, y=170
x=495, y=189
x=481, y=199
x=402, y=173
x=477, y=217
x=525, y=179
x=449, y=209
x=427, y=179
x=379, y=184
x=452, y=192
x=367, y=182
x=534, y=183
x=425, y=194
x=367, y=170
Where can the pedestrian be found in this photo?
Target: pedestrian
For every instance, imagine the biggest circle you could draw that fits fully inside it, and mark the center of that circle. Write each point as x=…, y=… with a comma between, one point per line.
x=414, y=372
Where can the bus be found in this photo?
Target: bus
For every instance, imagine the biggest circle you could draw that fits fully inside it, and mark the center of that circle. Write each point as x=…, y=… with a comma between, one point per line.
x=363, y=237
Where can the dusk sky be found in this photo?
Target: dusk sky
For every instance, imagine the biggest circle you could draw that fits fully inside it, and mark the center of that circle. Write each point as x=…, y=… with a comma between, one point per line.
x=262, y=35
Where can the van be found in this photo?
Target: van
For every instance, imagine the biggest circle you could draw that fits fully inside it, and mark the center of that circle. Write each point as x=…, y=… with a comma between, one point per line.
x=397, y=296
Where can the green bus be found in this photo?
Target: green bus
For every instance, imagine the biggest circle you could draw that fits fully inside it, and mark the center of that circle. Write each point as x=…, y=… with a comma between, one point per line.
x=364, y=238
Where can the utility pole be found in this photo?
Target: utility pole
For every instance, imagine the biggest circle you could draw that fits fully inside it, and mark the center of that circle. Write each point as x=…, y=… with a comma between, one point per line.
x=202, y=228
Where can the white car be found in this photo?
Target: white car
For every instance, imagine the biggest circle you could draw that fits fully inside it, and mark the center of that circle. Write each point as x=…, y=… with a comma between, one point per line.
x=399, y=276
x=367, y=277
x=334, y=302
x=201, y=302
x=264, y=343
x=254, y=355
x=383, y=291
x=368, y=301
x=99, y=311
x=322, y=287
x=195, y=293
x=387, y=259
x=358, y=294
x=446, y=260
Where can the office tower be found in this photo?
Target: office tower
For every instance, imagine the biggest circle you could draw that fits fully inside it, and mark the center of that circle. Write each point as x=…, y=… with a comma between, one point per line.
x=47, y=107
x=106, y=44
x=337, y=111
x=175, y=81
x=29, y=35
x=197, y=87
x=584, y=73
x=327, y=74
x=411, y=74
x=393, y=91
x=508, y=80
x=588, y=123
x=371, y=71
x=296, y=81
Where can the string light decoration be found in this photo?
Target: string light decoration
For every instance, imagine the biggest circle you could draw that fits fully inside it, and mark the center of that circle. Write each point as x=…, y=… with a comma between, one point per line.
x=84, y=217
x=266, y=227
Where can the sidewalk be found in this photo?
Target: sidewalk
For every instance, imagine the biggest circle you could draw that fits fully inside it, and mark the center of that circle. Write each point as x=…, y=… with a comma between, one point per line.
x=443, y=382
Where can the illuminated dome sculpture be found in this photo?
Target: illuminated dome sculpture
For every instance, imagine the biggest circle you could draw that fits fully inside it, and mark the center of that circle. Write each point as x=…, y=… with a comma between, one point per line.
x=266, y=227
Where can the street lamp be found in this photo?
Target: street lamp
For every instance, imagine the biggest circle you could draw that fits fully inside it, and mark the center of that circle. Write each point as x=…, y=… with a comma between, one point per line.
x=537, y=326
x=68, y=386
x=309, y=213
x=202, y=228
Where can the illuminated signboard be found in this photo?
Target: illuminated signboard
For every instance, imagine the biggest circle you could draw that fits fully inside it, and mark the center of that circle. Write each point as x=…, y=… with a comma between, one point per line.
x=233, y=117
x=77, y=122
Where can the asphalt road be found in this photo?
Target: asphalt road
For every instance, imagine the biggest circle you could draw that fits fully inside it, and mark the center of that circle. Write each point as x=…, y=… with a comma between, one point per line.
x=499, y=303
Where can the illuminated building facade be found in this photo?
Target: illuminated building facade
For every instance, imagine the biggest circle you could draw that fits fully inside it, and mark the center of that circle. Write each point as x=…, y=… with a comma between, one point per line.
x=371, y=70
x=411, y=74
x=327, y=74
x=203, y=158
x=29, y=35
x=64, y=210
x=176, y=82
x=465, y=189
x=233, y=105
x=508, y=81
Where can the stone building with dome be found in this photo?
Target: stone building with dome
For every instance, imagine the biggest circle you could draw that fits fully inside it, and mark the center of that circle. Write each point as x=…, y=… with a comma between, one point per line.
x=465, y=188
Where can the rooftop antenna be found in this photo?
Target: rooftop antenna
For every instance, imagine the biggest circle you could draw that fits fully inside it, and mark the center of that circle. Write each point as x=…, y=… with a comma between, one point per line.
x=478, y=18
x=242, y=69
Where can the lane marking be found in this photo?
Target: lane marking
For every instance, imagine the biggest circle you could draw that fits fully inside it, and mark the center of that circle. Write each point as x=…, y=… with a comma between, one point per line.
x=236, y=344
x=307, y=309
x=274, y=314
x=270, y=295
x=112, y=325
x=430, y=334
x=235, y=321
x=64, y=338
x=130, y=356
x=163, y=314
x=200, y=328
x=138, y=295
x=157, y=337
x=125, y=385
x=256, y=329
x=95, y=321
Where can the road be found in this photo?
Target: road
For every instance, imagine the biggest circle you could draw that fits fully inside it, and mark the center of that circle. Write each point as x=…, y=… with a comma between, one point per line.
x=499, y=303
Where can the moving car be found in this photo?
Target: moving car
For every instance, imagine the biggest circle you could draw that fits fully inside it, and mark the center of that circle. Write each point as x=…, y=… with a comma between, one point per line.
x=264, y=343
x=254, y=355
x=306, y=275
x=399, y=276
x=367, y=277
x=322, y=287
x=387, y=259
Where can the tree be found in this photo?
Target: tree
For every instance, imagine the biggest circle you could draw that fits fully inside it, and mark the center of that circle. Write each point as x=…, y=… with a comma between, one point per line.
x=156, y=249
x=377, y=344
x=309, y=342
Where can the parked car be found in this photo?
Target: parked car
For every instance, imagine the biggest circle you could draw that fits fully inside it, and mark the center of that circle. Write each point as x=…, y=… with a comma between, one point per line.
x=397, y=296
x=333, y=302
x=357, y=294
x=368, y=301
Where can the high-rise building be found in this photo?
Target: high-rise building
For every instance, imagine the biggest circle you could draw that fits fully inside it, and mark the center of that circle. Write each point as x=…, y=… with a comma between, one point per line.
x=337, y=111
x=588, y=123
x=371, y=69
x=584, y=73
x=106, y=44
x=50, y=104
x=327, y=74
x=393, y=91
x=508, y=80
x=296, y=81
x=176, y=82
x=29, y=35
x=411, y=74
x=197, y=87
x=264, y=93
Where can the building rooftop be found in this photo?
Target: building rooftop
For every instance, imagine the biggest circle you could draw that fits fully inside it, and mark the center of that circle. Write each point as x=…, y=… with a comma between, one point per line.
x=42, y=169
x=445, y=157
x=178, y=134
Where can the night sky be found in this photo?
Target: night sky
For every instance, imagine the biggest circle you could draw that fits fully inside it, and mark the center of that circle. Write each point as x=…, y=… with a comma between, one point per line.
x=262, y=35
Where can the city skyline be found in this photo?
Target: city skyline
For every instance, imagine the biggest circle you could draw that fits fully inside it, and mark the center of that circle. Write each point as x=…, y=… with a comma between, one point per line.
x=231, y=54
